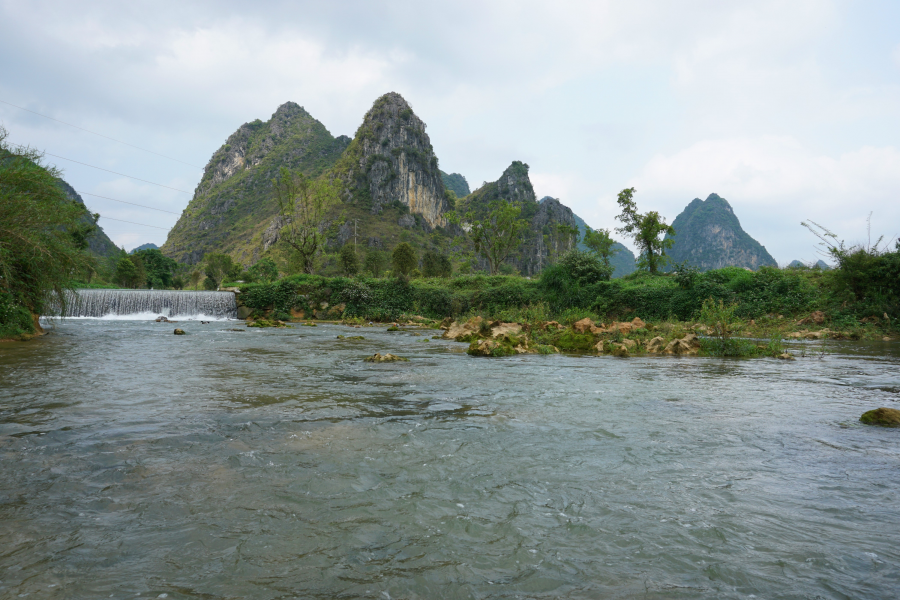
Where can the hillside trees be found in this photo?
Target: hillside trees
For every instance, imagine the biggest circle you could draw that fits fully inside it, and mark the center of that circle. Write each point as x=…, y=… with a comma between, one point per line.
x=646, y=230
x=217, y=267
x=436, y=264
x=349, y=260
x=42, y=233
x=600, y=243
x=303, y=203
x=264, y=270
x=404, y=259
x=498, y=234
x=158, y=268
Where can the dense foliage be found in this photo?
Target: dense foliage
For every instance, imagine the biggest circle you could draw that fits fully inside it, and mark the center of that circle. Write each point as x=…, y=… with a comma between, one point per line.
x=569, y=289
x=43, y=238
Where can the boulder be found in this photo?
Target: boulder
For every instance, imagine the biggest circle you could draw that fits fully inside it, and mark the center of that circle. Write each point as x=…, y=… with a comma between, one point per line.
x=816, y=335
x=584, y=325
x=179, y=332
x=457, y=329
x=618, y=349
x=162, y=319
x=243, y=312
x=785, y=356
x=630, y=344
x=551, y=325
x=638, y=324
x=501, y=329
x=689, y=344
x=491, y=348
x=656, y=345
x=383, y=358
x=883, y=417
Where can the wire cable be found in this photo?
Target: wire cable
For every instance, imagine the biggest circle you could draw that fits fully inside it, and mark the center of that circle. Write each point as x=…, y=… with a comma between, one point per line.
x=124, y=202
x=133, y=223
x=100, y=134
x=116, y=173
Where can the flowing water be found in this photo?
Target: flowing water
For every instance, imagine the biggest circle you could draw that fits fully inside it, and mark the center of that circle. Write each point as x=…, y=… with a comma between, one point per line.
x=148, y=304
x=275, y=464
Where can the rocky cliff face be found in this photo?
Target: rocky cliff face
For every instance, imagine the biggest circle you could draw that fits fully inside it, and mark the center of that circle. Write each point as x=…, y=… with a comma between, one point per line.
x=708, y=236
x=543, y=241
x=391, y=162
x=233, y=203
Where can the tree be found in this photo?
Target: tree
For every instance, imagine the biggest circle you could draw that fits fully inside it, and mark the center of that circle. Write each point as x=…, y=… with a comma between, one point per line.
x=264, y=270
x=216, y=268
x=158, y=267
x=42, y=233
x=196, y=274
x=497, y=235
x=585, y=267
x=374, y=263
x=304, y=203
x=128, y=274
x=404, y=259
x=349, y=260
x=601, y=244
x=646, y=230
x=435, y=264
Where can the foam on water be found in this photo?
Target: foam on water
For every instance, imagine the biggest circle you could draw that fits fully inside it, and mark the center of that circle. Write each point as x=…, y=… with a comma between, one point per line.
x=142, y=305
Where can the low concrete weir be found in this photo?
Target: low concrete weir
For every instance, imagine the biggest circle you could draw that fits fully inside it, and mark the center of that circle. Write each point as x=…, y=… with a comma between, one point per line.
x=149, y=304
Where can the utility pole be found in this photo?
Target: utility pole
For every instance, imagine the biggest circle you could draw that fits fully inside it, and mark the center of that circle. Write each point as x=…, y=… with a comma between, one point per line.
x=355, y=221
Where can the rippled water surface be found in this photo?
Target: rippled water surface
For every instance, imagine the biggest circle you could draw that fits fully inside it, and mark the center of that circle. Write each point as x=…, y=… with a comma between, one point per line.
x=277, y=464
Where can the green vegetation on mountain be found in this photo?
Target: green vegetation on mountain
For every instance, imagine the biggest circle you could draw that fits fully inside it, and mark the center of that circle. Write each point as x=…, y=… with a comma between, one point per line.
x=456, y=183
x=234, y=203
x=708, y=236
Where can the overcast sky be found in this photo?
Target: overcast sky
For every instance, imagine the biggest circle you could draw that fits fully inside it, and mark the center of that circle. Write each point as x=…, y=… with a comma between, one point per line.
x=789, y=110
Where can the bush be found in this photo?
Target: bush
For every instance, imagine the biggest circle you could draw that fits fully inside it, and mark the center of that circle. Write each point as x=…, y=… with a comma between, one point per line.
x=584, y=267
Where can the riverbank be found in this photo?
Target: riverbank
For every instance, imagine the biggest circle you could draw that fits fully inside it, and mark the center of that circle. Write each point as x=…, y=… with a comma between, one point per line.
x=769, y=305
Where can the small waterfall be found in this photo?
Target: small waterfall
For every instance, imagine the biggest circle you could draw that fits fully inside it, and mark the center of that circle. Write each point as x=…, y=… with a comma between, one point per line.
x=149, y=304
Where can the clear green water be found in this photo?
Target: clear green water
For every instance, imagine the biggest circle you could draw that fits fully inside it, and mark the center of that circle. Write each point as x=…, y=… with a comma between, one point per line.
x=276, y=464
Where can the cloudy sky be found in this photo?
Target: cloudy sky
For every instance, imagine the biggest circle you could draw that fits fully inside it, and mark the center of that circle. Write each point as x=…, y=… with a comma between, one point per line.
x=790, y=110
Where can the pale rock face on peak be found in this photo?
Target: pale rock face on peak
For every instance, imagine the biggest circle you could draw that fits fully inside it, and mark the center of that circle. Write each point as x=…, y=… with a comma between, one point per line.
x=391, y=160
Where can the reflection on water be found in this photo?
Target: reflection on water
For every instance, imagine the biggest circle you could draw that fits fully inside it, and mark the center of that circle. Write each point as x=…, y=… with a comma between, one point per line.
x=276, y=464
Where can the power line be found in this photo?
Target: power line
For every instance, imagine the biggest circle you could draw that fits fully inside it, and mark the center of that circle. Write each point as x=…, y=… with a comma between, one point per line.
x=116, y=173
x=133, y=223
x=100, y=134
x=131, y=203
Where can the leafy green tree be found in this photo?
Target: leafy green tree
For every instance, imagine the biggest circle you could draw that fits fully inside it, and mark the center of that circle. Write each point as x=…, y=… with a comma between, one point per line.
x=404, y=259
x=585, y=267
x=646, y=229
x=195, y=277
x=349, y=260
x=304, y=203
x=128, y=273
x=158, y=267
x=264, y=270
x=217, y=267
x=436, y=264
x=497, y=235
x=600, y=243
x=42, y=232
x=374, y=263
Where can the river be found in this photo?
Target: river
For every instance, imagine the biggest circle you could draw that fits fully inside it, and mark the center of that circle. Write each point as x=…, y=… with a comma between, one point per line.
x=275, y=464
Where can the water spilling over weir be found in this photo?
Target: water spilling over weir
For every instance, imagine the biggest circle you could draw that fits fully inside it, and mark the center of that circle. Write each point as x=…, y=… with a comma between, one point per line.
x=138, y=304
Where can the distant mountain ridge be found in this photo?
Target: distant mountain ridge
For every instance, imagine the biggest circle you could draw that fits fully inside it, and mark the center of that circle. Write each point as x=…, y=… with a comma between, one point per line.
x=456, y=183
x=148, y=246
x=709, y=236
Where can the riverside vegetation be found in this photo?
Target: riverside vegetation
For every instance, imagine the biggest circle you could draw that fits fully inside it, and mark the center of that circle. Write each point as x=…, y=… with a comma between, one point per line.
x=566, y=309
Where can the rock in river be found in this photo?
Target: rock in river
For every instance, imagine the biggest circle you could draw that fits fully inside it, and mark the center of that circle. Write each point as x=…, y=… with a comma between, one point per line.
x=884, y=417
x=179, y=332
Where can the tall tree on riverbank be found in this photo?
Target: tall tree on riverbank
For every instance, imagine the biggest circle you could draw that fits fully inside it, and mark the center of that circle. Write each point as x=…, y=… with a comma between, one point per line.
x=646, y=230
x=498, y=234
x=304, y=203
x=42, y=232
